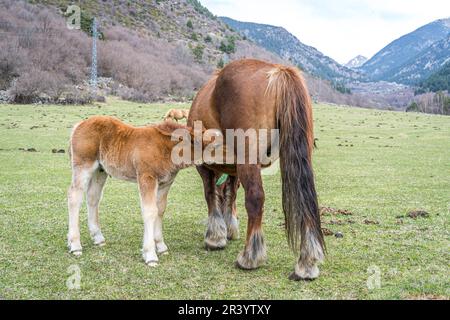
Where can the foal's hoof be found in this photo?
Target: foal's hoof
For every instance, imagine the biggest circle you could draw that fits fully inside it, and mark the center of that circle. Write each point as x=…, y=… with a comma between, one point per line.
x=305, y=273
x=150, y=258
x=162, y=249
x=215, y=244
x=74, y=248
x=76, y=253
x=99, y=240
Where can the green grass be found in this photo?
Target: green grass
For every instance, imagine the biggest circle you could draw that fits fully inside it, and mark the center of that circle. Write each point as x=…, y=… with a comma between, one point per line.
x=378, y=165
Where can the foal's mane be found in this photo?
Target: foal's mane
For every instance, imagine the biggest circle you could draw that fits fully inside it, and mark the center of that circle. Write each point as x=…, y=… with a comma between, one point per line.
x=168, y=127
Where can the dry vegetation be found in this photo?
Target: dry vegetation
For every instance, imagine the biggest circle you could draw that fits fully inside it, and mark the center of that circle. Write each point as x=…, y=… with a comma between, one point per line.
x=42, y=60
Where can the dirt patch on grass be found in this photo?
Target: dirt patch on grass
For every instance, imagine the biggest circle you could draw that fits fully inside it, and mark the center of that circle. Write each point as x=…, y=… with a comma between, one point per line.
x=327, y=232
x=366, y=221
x=28, y=149
x=418, y=213
x=333, y=211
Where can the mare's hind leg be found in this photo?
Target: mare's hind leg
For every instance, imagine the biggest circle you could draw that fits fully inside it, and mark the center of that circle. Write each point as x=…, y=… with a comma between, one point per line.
x=229, y=207
x=216, y=232
x=93, y=196
x=81, y=175
x=254, y=253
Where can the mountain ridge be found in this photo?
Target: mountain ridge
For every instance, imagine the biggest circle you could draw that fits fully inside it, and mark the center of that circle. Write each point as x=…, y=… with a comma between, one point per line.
x=387, y=62
x=280, y=41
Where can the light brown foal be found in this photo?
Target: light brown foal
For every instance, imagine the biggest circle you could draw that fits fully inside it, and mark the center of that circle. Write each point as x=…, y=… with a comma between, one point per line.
x=102, y=146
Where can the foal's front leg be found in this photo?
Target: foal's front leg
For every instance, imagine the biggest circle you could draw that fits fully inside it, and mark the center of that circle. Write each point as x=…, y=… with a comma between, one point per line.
x=148, y=187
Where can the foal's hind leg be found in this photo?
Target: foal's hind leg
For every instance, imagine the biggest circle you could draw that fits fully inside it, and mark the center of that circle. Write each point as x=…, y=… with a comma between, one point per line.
x=229, y=207
x=80, y=179
x=161, y=247
x=254, y=253
x=148, y=188
x=216, y=232
x=94, y=195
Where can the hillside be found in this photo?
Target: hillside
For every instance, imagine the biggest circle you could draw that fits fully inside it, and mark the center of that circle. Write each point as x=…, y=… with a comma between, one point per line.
x=387, y=63
x=184, y=22
x=286, y=45
x=438, y=81
x=424, y=64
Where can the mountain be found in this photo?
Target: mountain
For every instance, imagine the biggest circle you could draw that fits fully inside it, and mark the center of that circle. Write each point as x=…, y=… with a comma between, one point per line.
x=424, y=64
x=356, y=62
x=278, y=40
x=393, y=62
x=438, y=81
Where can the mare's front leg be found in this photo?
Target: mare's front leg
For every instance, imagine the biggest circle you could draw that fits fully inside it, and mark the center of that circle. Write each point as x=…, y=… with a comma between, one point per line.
x=148, y=189
x=216, y=232
x=254, y=253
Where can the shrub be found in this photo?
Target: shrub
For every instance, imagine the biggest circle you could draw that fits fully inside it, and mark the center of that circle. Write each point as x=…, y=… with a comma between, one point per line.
x=229, y=46
x=198, y=53
x=221, y=63
x=413, y=107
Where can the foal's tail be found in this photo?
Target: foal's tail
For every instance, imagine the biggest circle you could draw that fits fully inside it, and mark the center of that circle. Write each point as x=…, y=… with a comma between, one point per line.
x=69, y=150
x=294, y=118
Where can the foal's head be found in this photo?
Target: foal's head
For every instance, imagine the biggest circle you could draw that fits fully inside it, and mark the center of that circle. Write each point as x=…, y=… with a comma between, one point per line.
x=189, y=144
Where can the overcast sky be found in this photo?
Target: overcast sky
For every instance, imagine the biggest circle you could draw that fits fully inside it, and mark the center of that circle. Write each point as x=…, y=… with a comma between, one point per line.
x=340, y=29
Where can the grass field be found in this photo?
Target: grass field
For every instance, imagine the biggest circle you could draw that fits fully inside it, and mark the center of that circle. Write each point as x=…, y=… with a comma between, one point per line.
x=377, y=165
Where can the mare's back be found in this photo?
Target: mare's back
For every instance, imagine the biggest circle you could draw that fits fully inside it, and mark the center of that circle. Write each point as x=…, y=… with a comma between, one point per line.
x=240, y=95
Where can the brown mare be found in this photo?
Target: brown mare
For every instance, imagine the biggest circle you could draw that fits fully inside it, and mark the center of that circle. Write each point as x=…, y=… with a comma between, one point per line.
x=251, y=94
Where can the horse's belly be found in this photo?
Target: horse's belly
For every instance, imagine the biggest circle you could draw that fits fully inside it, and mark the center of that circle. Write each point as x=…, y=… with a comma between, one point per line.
x=121, y=173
